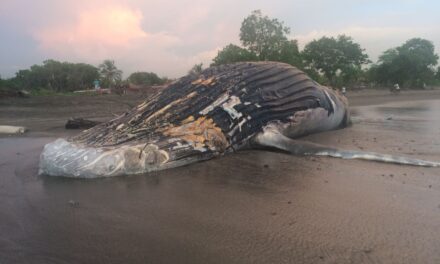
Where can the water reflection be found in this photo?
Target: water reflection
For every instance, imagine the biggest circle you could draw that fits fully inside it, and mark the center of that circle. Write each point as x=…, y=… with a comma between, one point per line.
x=416, y=116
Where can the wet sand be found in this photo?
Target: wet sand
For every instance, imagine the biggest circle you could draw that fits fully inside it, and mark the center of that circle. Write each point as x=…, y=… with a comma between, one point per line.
x=249, y=207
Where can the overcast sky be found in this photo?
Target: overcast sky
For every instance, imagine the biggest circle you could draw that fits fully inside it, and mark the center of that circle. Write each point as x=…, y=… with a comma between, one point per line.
x=168, y=37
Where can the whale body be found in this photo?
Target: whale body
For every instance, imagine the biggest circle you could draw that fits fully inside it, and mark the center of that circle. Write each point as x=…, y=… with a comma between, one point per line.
x=221, y=110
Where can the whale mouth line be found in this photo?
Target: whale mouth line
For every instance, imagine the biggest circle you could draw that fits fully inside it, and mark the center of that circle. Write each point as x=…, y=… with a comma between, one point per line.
x=64, y=158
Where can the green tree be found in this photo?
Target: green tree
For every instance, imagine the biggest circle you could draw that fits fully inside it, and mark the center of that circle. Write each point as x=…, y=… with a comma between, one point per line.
x=196, y=69
x=411, y=64
x=263, y=38
x=110, y=74
x=288, y=53
x=21, y=77
x=8, y=84
x=233, y=53
x=338, y=59
x=81, y=76
x=262, y=35
x=56, y=76
x=145, y=78
x=437, y=75
x=386, y=71
x=3, y=84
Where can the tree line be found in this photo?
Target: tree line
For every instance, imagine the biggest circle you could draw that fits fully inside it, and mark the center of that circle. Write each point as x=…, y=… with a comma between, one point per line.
x=335, y=61
x=60, y=77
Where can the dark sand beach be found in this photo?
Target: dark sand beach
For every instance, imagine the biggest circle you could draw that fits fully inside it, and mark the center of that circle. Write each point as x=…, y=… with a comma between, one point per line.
x=248, y=207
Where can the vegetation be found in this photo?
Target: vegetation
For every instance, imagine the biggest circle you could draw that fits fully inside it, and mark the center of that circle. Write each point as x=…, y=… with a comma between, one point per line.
x=53, y=76
x=411, y=65
x=263, y=39
x=338, y=59
x=328, y=60
x=437, y=77
x=196, y=69
x=233, y=53
x=145, y=78
x=4, y=84
x=110, y=74
x=263, y=36
x=334, y=61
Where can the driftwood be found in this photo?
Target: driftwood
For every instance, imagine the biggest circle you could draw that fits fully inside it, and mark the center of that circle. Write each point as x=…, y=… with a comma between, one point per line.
x=80, y=123
x=12, y=129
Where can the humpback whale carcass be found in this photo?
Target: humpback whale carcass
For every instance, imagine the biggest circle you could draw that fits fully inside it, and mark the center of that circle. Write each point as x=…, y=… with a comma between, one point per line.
x=223, y=109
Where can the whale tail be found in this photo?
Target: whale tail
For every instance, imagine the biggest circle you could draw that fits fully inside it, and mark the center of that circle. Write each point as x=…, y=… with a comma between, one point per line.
x=274, y=139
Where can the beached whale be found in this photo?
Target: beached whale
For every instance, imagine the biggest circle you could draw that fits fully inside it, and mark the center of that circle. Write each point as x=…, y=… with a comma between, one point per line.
x=222, y=110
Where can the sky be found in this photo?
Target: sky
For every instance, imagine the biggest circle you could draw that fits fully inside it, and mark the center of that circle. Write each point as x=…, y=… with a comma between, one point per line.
x=169, y=37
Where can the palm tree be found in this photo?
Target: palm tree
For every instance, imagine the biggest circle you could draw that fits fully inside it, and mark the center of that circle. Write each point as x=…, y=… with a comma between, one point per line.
x=110, y=74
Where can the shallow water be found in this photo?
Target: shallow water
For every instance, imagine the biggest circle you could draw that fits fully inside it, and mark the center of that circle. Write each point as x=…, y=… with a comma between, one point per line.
x=417, y=116
x=249, y=207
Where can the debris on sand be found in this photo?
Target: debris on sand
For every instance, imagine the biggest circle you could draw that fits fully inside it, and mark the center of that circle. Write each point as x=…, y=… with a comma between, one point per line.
x=73, y=203
x=80, y=123
x=12, y=129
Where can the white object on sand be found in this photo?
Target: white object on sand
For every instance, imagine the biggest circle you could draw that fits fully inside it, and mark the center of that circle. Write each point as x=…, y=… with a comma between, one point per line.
x=12, y=129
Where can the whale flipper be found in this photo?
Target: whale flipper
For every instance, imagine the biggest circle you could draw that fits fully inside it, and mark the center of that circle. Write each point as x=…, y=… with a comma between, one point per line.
x=274, y=139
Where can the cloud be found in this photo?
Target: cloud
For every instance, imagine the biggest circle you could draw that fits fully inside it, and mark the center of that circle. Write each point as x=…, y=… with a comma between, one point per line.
x=96, y=32
x=168, y=37
x=117, y=32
